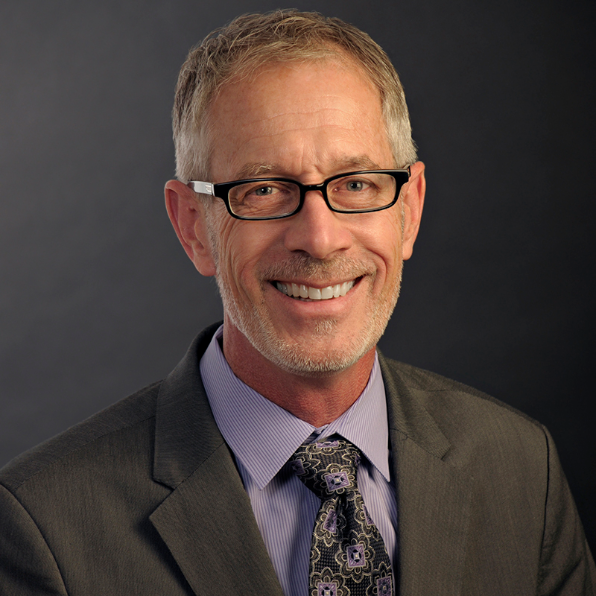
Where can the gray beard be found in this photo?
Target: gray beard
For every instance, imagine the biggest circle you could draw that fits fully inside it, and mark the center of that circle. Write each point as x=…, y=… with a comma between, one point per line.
x=296, y=358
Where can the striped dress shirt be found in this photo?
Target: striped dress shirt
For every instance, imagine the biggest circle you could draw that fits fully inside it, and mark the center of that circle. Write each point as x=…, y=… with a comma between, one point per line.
x=263, y=437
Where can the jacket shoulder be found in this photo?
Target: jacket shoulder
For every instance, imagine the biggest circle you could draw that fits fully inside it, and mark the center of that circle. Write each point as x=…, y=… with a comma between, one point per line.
x=122, y=419
x=432, y=388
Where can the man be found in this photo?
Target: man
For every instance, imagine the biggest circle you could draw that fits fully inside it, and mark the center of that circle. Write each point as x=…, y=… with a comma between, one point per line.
x=284, y=455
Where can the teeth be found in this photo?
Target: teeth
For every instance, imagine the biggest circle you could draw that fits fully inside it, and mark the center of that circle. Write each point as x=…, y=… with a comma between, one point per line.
x=306, y=292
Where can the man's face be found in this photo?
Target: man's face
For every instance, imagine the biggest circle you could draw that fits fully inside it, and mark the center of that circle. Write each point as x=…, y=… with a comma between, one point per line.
x=306, y=122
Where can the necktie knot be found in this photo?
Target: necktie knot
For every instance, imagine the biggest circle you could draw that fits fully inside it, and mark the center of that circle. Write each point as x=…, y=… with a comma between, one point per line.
x=327, y=468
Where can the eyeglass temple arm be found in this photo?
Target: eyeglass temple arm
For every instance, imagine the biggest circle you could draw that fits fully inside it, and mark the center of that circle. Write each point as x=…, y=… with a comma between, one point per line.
x=205, y=188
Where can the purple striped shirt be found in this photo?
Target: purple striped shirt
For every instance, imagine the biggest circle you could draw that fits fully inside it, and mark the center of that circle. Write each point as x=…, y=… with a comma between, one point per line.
x=285, y=509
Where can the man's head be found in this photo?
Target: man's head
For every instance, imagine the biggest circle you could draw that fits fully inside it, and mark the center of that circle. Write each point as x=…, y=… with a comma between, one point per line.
x=303, y=98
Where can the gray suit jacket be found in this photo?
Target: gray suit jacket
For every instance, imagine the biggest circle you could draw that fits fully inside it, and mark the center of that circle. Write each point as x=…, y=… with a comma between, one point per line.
x=144, y=498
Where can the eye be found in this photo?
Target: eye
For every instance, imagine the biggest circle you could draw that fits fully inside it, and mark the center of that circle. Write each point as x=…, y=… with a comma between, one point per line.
x=264, y=191
x=354, y=185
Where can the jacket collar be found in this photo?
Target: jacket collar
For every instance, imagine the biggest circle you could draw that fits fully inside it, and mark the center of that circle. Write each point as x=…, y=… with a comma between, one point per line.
x=185, y=432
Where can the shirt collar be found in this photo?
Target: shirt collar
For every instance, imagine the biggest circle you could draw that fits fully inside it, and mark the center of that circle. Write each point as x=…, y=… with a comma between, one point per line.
x=263, y=436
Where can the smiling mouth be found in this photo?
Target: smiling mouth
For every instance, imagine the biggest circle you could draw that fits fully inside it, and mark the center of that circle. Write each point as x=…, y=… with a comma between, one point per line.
x=303, y=292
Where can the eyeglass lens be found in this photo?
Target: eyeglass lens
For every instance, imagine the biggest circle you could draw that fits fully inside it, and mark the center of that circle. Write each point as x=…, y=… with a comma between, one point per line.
x=274, y=198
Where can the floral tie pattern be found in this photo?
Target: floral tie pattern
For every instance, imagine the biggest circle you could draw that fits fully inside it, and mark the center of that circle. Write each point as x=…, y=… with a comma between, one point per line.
x=348, y=556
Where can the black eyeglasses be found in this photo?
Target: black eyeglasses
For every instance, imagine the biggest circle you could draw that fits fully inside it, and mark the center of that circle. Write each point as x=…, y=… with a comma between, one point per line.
x=275, y=198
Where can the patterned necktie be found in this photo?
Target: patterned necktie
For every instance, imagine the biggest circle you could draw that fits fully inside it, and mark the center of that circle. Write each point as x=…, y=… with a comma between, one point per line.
x=348, y=556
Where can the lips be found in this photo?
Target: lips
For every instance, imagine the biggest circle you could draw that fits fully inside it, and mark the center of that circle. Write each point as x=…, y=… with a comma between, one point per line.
x=301, y=291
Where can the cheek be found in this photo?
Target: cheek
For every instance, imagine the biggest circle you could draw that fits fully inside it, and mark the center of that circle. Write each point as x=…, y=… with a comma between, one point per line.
x=381, y=239
x=243, y=246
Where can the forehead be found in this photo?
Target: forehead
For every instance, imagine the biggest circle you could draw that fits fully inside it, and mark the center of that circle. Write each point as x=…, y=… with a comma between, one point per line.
x=294, y=118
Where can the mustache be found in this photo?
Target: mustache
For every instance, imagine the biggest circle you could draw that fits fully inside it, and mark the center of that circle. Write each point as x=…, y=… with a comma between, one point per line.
x=305, y=266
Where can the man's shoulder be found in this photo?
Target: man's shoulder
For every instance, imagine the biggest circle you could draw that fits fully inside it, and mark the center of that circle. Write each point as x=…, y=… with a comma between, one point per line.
x=469, y=419
x=121, y=440
x=121, y=428
x=433, y=385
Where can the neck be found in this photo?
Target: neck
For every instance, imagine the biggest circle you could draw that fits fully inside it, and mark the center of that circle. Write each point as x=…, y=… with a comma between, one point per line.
x=316, y=399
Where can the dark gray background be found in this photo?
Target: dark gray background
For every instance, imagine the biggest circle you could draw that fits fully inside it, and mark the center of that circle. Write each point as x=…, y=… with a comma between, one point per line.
x=97, y=298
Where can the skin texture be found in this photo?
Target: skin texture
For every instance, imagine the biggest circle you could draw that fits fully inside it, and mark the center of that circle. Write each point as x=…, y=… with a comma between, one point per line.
x=307, y=122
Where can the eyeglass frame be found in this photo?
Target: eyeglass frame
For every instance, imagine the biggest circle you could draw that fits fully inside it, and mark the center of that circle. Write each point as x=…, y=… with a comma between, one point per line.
x=210, y=188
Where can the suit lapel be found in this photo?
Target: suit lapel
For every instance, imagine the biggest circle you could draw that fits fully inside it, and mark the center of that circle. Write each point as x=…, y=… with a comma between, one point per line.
x=209, y=527
x=433, y=496
x=207, y=521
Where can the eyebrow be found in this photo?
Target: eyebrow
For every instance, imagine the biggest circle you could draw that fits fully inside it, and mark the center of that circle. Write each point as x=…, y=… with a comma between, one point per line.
x=359, y=162
x=258, y=170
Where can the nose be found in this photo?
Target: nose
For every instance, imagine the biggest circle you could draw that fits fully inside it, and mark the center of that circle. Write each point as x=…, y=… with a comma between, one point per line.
x=317, y=230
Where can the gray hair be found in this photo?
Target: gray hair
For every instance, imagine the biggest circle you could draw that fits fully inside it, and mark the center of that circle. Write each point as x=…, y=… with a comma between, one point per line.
x=251, y=41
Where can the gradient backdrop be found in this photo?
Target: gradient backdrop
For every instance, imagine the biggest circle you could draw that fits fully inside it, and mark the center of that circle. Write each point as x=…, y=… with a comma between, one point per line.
x=98, y=299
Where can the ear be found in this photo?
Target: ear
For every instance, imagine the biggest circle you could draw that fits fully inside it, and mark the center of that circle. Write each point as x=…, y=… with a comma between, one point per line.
x=413, y=201
x=187, y=214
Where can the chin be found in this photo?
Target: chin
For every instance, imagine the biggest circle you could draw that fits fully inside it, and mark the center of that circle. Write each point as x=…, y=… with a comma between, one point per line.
x=303, y=361
x=309, y=358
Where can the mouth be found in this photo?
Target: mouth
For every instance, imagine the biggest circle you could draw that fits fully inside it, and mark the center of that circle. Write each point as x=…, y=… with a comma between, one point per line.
x=308, y=293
